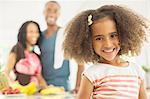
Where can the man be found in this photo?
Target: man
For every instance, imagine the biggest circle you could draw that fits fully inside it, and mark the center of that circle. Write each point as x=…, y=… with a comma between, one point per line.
x=56, y=69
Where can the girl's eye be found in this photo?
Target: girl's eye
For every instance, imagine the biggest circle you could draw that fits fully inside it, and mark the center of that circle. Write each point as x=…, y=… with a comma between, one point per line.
x=99, y=38
x=114, y=35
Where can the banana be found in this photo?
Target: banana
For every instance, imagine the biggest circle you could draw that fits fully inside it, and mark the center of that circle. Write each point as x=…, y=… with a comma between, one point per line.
x=28, y=89
x=31, y=88
x=52, y=90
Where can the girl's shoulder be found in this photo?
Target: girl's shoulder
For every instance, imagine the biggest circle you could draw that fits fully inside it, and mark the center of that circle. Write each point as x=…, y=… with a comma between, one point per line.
x=97, y=71
x=136, y=66
x=138, y=69
x=96, y=68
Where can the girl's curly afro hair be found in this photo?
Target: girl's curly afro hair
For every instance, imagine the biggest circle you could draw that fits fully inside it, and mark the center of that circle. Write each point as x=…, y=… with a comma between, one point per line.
x=78, y=36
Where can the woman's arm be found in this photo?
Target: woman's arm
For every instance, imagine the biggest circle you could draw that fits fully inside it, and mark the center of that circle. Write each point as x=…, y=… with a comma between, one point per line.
x=143, y=93
x=10, y=66
x=41, y=81
x=86, y=89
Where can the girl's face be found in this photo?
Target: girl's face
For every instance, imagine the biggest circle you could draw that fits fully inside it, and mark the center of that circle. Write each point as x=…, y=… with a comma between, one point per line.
x=105, y=39
x=32, y=34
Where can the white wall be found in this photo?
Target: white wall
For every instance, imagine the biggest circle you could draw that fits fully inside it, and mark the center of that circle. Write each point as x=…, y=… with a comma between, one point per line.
x=14, y=12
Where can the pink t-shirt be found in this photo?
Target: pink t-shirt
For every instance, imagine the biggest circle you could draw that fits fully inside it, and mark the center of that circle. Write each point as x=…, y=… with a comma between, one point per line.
x=111, y=82
x=29, y=65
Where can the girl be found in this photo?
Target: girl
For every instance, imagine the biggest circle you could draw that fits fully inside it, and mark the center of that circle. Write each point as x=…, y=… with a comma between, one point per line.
x=22, y=59
x=101, y=36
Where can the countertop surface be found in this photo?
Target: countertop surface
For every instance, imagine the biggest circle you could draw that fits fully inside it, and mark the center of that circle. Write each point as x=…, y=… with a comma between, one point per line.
x=37, y=96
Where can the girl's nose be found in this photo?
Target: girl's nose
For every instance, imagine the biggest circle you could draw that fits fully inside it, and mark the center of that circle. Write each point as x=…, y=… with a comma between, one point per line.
x=108, y=43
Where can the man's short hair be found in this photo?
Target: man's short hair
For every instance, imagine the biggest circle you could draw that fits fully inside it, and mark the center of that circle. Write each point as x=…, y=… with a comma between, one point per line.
x=52, y=1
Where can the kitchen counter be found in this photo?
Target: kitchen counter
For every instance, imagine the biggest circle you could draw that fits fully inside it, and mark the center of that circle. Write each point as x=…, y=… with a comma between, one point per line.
x=22, y=96
x=37, y=96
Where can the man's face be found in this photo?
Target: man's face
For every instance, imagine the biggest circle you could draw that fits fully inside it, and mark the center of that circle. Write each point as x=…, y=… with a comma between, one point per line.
x=51, y=13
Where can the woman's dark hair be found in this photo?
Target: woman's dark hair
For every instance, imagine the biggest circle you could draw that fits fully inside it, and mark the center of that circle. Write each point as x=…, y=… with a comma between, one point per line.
x=130, y=26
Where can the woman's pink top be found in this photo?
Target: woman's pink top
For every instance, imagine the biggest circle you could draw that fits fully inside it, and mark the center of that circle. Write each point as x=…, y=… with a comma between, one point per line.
x=29, y=65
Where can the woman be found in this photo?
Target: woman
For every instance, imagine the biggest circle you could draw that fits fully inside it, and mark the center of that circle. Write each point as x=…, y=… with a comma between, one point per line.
x=23, y=60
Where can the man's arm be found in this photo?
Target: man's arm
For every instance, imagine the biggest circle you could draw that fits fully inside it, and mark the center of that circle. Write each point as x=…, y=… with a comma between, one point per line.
x=78, y=80
x=142, y=93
